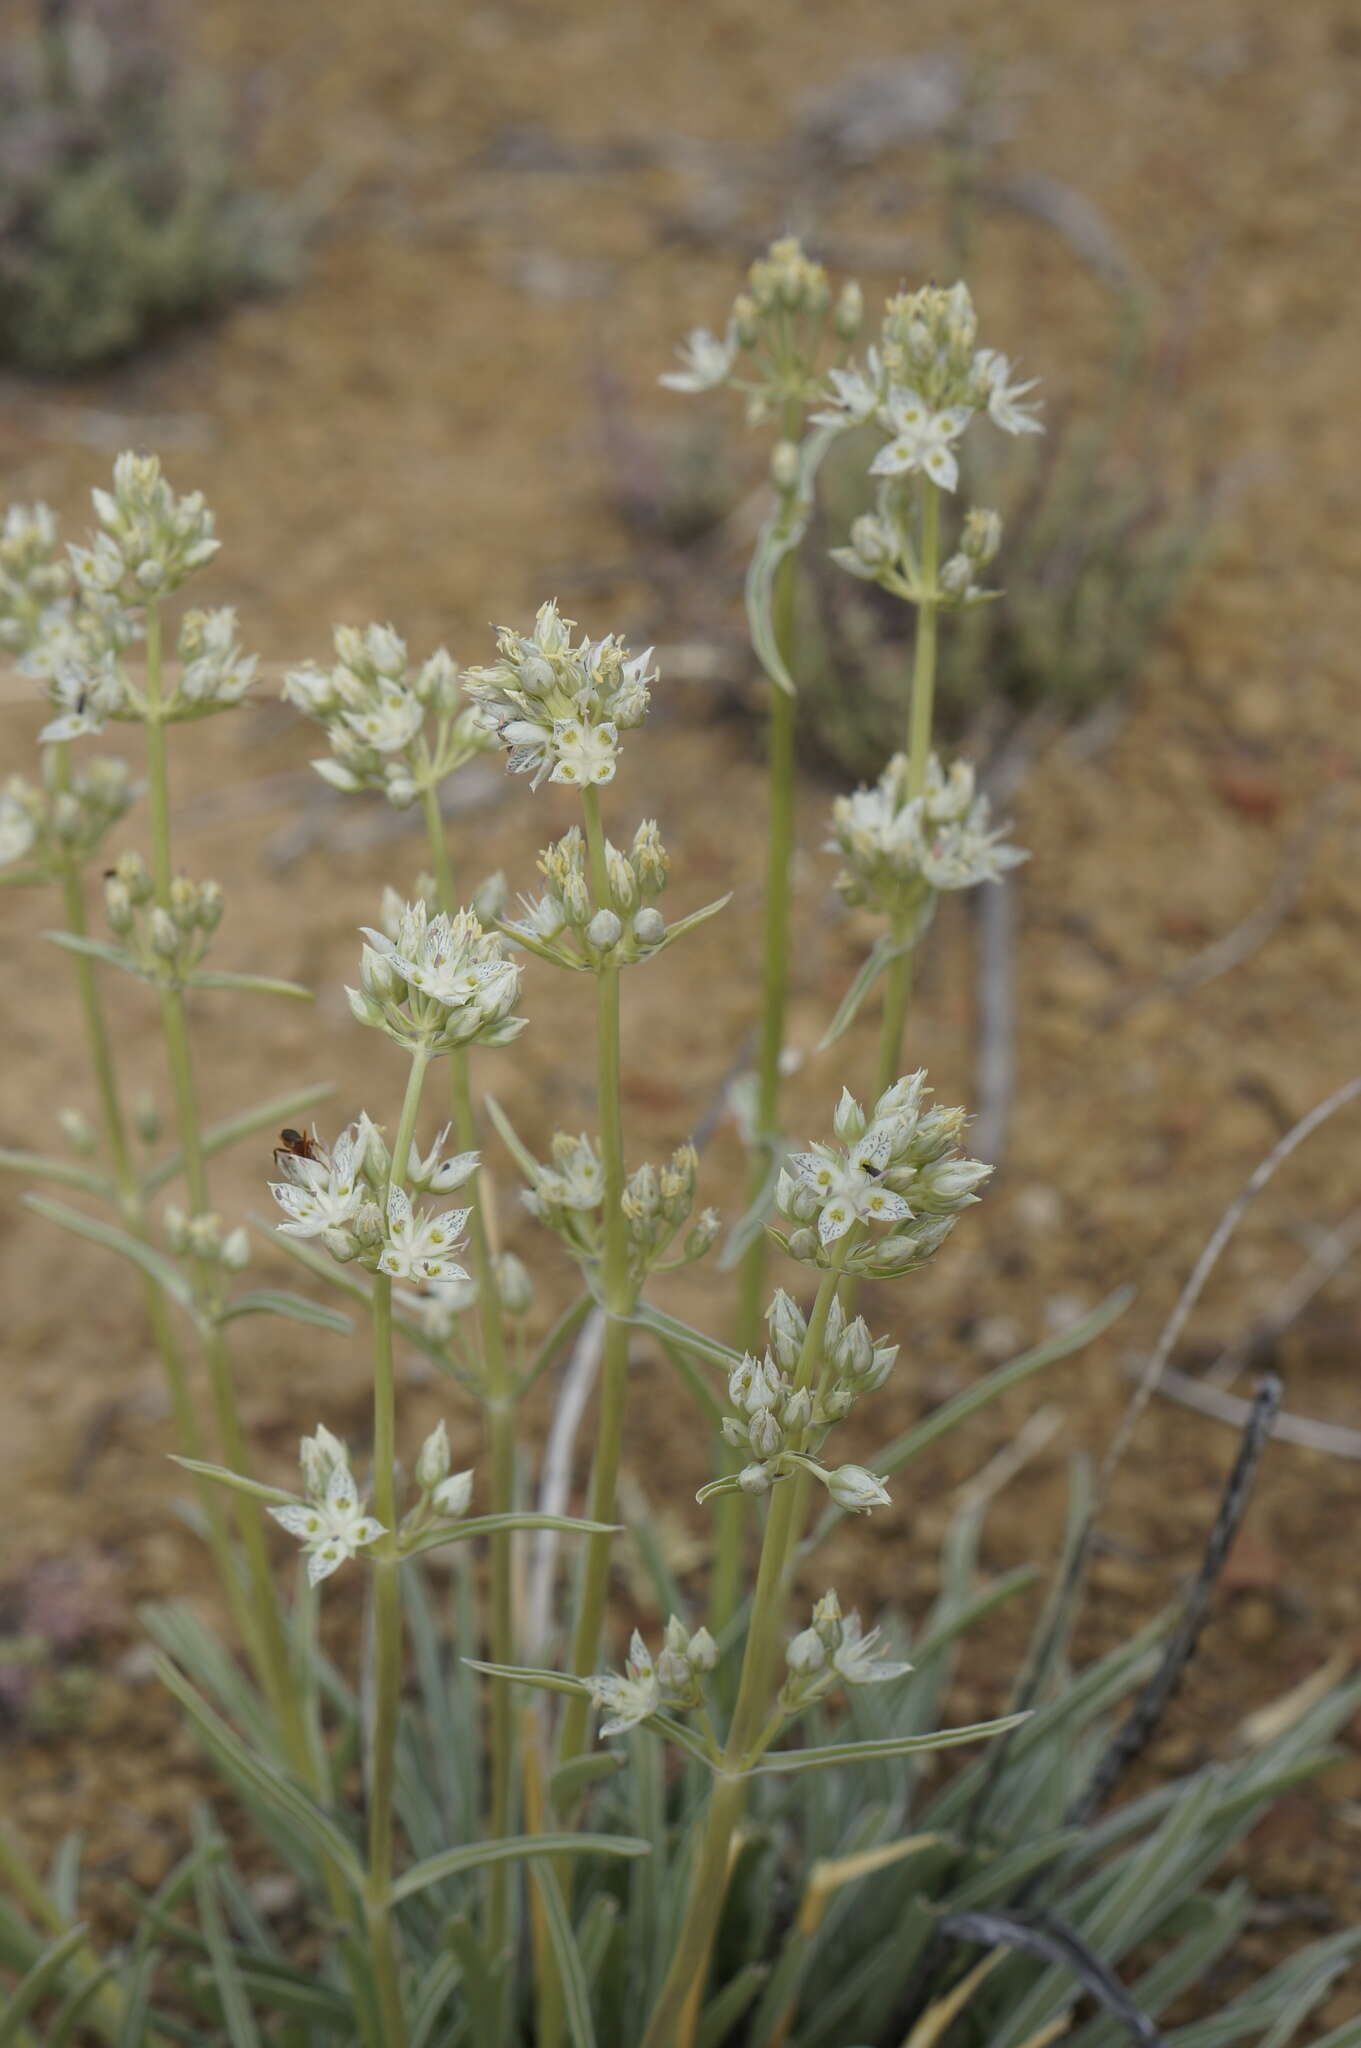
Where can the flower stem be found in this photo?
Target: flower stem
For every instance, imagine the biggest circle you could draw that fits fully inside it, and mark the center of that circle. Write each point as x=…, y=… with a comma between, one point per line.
x=729, y=1519
x=670, y=2025
x=133, y=1209
x=618, y=1291
x=387, y=1613
x=175, y=1032
x=898, y=985
x=499, y=1414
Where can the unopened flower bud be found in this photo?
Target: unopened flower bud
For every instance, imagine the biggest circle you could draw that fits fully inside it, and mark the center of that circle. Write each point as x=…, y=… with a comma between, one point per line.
x=489, y=899
x=515, y=1286
x=807, y=1653
x=236, y=1249
x=673, y=1672
x=146, y=1119
x=850, y=310
x=857, y=1490
x=205, y=1235
x=765, y=1434
x=702, y=1234
x=77, y=1129
x=702, y=1651
x=784, y=466
x=604, y=931
x=343, y=1245
x=848, y=1120
x=871, y=541
x=453, y=1496
x=754, y=1479
x=649, y=927
x=434, y=1460
x=176, y=1227
x=118, y=906
x=803, y=1245
x=165, y=937
x=836, y=1404
x=798, y=1411
x=210, y=906
x=981, y=537
x=787, y=1329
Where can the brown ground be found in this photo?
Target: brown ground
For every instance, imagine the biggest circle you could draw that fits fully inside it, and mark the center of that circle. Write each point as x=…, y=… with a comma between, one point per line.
x=415, y=435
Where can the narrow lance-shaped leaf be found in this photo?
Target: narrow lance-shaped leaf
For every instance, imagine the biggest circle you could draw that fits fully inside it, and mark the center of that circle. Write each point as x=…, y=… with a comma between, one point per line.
x=497, y=1525
x=253, y=1487
x=167, y=1276
x=512, y=1849
x=295, y=1308
x=505, y=1131
x=36, y=1984
x=876, y=1751
x=64, y=1172
x=217, y=1137
x=885, y=950
x=571, y=1974
x=252, y=984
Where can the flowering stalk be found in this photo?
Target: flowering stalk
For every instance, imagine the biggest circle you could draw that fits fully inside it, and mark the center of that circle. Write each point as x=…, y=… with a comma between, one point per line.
x=749, y=1734
x=498, y=1407
x=175, y=1032
x=132, y=1206
x=618, y=1304
x=387, y=1611
x=898, y=991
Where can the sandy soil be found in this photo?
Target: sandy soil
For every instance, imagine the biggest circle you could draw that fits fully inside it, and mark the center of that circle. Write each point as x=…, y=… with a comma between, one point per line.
x=531, y=203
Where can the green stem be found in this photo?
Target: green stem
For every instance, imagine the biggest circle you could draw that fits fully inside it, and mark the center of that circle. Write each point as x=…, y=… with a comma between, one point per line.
x=751, y=1284
x=618, y=1303
x=175, y=1032
x=727, y=1802
x=387, y=1614
x=499, y=1414
x=898, y=984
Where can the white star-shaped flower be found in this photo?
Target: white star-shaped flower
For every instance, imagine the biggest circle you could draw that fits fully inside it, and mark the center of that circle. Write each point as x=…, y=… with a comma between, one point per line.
x=332, y=1527
x=1005, y=409
x=421, y=1246
x=858, y=1658
x=631, y=1699
x=389, y=720
x=324, y=1191
x=922, y=439
x=584, y=753
x=706, y=359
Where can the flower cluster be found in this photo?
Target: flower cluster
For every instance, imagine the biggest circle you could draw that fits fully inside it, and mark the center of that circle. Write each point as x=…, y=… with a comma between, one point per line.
x=785, y=1403
x=202, y=1237
x=560, y=705
x=345, y=1197
x=881, y=551
x=899, y=849
x=149, y=540
x=47, y=828
x=924, y=384
x=899, y=1166
x=673, y=1683
x=833, y=1648
x=163, y=943
x=436, y=982
x=330, y=1523
x=35, y=577
x=567, y=1195
x=775, y=335
x=80, y=655
x=389, y=727
x=443, y=1492
x=566, y=925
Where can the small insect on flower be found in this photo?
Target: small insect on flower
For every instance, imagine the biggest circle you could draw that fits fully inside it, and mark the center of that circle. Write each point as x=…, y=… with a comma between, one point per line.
x=295, y=1145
